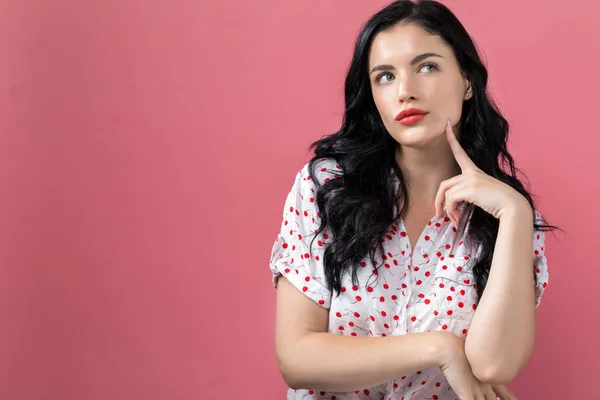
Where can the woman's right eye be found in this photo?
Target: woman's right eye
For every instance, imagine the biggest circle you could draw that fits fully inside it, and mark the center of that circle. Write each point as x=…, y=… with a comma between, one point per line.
x=378, y=80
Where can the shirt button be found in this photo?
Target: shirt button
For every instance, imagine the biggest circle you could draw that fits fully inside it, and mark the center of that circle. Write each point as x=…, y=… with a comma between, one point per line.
x=423, y=251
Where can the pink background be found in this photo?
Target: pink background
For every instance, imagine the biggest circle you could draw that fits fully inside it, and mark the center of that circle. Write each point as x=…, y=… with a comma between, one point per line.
x=146, y=149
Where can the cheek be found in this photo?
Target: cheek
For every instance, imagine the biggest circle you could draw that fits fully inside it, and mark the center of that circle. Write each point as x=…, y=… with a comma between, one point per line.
x=385, y=105
x=381, y=99
x=449, y=104
x=386, y=110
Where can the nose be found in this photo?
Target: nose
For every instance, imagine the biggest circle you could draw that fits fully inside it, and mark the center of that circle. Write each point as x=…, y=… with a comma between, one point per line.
x=406, y=90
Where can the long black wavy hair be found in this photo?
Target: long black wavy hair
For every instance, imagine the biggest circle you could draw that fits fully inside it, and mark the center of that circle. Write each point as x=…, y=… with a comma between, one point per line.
x=360, y=206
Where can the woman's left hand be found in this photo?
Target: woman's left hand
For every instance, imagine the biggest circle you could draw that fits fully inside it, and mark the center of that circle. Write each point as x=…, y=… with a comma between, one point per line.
x=474, y=186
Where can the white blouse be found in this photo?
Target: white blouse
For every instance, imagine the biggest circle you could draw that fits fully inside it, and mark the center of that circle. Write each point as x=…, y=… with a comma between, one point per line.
x=430, y=290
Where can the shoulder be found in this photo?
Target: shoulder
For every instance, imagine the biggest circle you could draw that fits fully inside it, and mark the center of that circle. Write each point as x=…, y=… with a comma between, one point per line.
x=323, y=170
x=538, y=217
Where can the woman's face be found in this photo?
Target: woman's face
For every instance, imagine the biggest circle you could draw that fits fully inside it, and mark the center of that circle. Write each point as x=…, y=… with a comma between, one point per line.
x=402, y=78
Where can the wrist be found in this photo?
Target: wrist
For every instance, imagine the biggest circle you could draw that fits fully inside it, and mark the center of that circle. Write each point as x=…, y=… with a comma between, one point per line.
x=518, y=209
x=446, y=346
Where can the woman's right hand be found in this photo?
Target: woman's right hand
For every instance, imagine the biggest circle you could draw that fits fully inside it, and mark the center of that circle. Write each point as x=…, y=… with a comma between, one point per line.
x=458, y=373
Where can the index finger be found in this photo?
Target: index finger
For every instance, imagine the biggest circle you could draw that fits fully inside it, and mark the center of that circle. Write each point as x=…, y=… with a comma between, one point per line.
x=459, y=153
x=504, y=393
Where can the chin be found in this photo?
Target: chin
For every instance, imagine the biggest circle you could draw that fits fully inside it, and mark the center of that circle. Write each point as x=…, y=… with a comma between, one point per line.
x=415, y=137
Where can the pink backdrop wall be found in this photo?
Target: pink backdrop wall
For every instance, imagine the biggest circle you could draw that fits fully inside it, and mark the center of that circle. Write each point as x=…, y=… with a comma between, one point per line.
x=146, y=148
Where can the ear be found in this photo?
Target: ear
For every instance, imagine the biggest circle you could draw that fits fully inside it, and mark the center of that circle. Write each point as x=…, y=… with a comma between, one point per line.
x=468, y=91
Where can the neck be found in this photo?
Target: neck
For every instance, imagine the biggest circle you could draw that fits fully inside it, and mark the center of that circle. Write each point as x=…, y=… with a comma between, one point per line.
x=425, y=168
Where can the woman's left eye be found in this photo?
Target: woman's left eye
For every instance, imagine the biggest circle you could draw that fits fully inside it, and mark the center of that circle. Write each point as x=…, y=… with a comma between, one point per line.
x=429, y=65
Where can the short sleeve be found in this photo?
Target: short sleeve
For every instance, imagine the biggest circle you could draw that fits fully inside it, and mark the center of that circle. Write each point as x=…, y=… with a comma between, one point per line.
x=540, y=263
x=292, y=255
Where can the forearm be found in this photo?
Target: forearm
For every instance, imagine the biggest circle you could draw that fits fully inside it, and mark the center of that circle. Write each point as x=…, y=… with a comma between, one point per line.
x=502, y=333
x=325, y=361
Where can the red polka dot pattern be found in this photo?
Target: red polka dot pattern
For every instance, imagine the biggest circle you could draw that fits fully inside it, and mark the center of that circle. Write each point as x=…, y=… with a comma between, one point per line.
x=431, y=289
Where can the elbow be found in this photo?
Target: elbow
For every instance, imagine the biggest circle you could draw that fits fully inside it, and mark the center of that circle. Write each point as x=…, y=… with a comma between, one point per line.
x=491, y=368
x=490, y=371
x=493, y=375
x=290, y=377
x=494, y=371
x=296, y=364
x=293, y=378
x=290, y=372
x=291, y=381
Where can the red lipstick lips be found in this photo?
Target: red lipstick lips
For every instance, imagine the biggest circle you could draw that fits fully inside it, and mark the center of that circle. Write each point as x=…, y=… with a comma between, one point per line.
x=410, y=116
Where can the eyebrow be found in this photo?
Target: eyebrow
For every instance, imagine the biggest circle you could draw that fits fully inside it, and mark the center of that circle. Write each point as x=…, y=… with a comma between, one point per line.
x=414, y=61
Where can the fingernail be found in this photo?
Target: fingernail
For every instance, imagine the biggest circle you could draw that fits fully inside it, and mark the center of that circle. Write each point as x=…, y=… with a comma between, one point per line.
x=449, y=125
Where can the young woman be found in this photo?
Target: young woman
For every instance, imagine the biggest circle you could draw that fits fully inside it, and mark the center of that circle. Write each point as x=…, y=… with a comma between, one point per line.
x=405, y=265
